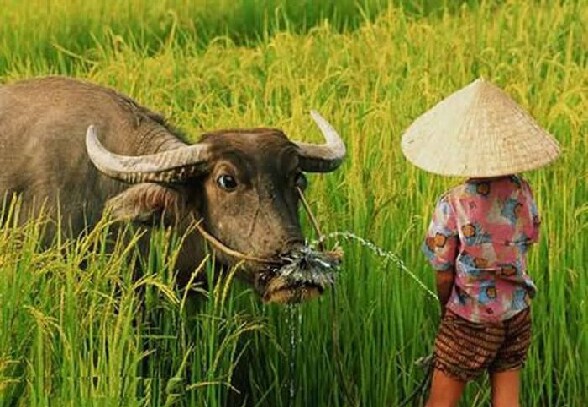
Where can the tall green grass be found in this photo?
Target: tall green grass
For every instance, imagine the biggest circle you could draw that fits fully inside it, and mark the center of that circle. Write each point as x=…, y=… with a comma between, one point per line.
x=87, y=336
x=79, y=330
x=59, y=32
x=56, y=31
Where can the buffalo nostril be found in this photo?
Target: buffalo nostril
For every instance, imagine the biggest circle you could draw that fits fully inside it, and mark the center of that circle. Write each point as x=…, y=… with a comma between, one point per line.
x=289, y=250
x=291, y=245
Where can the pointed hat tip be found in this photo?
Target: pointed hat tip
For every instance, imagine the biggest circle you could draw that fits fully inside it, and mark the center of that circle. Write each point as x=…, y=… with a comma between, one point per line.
x=480, y=81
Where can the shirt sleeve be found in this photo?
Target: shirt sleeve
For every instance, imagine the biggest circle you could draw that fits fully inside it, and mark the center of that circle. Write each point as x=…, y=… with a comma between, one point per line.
x=442, y=238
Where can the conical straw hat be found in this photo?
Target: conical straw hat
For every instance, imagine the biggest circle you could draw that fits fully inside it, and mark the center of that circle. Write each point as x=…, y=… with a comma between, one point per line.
x=478, y=131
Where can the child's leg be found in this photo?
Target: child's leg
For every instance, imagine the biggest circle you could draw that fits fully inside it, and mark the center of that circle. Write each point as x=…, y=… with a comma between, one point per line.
x=505, y=388
x=505, y=369
x=445, y=390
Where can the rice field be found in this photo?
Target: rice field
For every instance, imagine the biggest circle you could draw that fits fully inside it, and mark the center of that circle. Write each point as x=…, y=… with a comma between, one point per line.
x=73, y=337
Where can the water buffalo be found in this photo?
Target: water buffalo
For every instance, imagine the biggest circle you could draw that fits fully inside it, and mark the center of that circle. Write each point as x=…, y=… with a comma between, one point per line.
x=93, y=149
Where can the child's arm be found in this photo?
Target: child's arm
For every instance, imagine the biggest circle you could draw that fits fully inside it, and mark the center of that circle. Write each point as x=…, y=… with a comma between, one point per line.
x=444, y=287
x=440, y=248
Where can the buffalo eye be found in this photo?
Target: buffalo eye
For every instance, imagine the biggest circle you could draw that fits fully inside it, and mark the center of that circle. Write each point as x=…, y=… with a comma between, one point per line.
x=227, y=182
x=301, y=181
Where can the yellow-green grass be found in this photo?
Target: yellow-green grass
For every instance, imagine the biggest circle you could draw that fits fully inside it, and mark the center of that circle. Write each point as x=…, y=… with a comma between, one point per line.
x=72, y=336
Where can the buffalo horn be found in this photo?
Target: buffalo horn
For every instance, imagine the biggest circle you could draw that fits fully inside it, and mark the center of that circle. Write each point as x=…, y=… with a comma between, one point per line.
x=322, y=157
x=170, y=166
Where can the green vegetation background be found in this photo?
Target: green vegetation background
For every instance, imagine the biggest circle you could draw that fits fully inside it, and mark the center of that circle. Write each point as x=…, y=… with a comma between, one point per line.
x=81, y=338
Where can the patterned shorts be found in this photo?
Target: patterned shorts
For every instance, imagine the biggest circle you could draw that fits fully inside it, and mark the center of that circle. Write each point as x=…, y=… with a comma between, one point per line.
x=464, y=350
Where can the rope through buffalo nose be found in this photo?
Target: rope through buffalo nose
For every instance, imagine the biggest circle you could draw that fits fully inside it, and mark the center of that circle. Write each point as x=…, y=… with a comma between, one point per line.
x=227, y=250
x=315, y=225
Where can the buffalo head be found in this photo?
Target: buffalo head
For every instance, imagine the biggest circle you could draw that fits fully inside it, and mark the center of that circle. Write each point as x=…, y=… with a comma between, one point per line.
x=240, y=185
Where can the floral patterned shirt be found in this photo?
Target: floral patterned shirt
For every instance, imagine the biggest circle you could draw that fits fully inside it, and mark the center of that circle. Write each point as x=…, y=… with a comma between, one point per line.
x=481, y=231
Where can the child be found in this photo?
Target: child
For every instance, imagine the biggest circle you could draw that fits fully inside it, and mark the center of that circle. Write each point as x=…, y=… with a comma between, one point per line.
x=479, y=236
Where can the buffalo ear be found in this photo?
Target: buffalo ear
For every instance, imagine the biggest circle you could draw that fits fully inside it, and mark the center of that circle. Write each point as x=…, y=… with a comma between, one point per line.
x=147, y=203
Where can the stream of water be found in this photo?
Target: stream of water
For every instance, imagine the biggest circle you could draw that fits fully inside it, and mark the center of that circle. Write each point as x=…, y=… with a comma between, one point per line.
x=385, y=254
x=294, y=322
